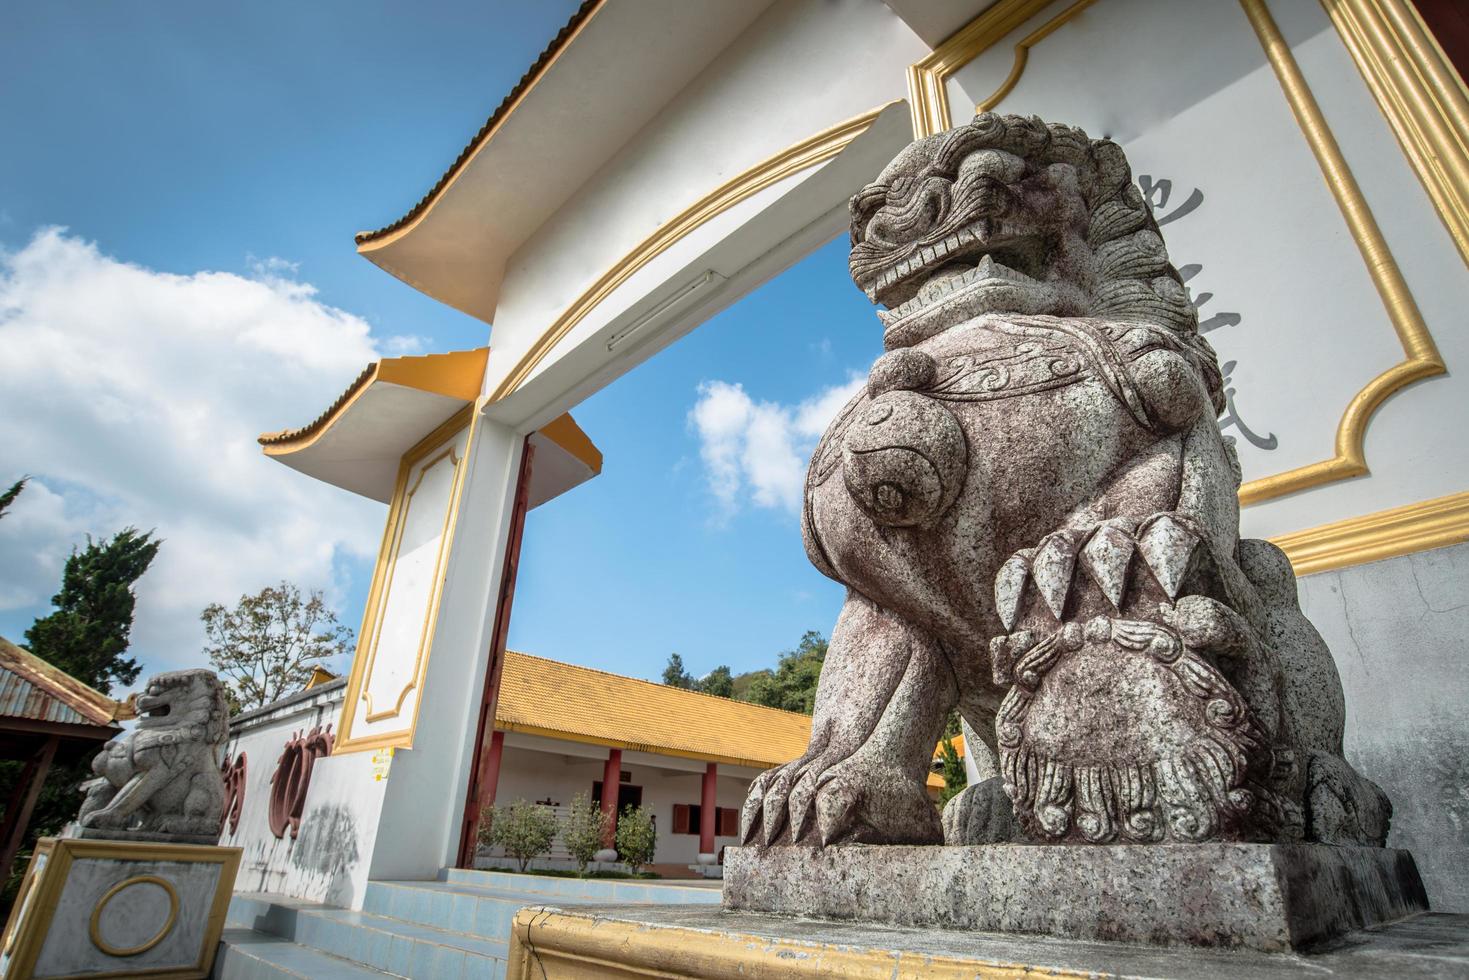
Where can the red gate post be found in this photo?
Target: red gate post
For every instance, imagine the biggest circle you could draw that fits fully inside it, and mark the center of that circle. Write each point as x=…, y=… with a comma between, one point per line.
x=487, y=741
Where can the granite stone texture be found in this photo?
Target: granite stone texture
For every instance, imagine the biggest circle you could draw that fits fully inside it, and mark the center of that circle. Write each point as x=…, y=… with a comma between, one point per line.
x=1036, y=518
x=1266, y=897
x=161, y=781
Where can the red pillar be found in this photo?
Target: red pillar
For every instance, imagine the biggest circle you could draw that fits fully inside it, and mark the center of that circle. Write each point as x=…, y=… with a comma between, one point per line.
x=707, y=809
x=481, y=790
x=491, y=778
x=611, y=780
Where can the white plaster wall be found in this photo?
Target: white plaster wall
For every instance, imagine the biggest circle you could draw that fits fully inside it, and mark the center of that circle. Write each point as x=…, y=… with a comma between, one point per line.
x=423, y=807
x=1397, y=629
x=329, y=861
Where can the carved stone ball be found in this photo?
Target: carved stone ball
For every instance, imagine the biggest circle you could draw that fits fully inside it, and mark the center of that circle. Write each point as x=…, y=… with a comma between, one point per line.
x=904, y=459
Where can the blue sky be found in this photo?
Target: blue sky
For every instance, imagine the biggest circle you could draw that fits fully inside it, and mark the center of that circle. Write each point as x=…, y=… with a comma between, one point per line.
x=177, y=274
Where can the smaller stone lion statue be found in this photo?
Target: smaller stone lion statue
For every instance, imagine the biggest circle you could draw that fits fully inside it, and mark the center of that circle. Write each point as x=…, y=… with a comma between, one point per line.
x=161, y=781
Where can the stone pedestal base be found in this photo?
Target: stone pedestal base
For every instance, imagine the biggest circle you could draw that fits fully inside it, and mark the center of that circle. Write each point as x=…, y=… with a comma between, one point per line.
x=1268, y=897
x=118, y=909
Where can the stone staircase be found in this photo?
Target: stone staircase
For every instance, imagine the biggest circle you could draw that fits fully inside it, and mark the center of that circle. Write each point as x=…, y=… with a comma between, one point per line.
x=452, y=928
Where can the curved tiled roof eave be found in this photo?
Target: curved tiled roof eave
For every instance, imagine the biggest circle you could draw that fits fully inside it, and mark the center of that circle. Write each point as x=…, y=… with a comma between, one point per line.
x=317, y=424
x=507, y=105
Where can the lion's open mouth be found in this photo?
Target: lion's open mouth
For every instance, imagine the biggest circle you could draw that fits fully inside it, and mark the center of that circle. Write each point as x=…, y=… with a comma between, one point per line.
x=983, y=256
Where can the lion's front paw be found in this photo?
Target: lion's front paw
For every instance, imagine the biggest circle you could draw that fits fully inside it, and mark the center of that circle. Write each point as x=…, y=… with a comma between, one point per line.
x=981, y=814
x=781, y=798
x=103, y=820
x=861, y=802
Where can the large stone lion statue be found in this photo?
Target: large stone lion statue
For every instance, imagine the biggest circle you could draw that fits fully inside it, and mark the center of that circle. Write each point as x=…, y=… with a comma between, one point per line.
x=1035, y=515
x=162, y=780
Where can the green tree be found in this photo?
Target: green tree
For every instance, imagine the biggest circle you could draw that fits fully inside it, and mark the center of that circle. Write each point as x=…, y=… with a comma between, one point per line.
x=86, y=636
x=674, y=674
x=524, y=829
x=637, y=838
x=266, y=646
x=718, y=682
x=89, y=632
x=792, y=685
x=582, y=830
x=952, y=769
x=8, y=497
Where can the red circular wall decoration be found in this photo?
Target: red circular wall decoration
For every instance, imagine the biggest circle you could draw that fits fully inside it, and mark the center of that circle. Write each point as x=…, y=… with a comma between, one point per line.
x=292, y=778
x=234, y=793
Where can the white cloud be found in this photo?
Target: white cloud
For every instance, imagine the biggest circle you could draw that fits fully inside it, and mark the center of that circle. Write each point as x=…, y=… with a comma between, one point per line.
x=133, y=397
x=760, y=450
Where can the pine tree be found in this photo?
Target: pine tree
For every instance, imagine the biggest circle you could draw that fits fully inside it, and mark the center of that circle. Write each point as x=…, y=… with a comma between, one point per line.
x=8, y=497
x=90, y=630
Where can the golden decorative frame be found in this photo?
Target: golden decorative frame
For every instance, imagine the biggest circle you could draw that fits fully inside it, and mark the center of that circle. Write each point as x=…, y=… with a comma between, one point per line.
x=426, y=633
x=94, y=925
x=1424, y=99
x=1421, y=355
x=382, y=577
x=1374, y=537
x=927, y=93
x=46, y=876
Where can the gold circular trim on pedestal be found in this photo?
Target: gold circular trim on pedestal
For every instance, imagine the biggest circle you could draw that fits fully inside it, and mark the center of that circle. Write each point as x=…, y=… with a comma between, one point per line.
x=111, y=893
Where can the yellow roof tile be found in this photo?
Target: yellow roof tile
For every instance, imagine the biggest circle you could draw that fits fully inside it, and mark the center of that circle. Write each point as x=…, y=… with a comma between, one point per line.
x=547, y=697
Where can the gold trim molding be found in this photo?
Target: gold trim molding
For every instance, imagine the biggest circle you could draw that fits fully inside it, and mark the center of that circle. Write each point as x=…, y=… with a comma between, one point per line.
x=1387, y=534
x=1420, y=93
x=928, y=98
x=382, y=579
x=1022, y=53
x=788, y=162
x=94, y=925
x=547, y=942
x=1421, y=358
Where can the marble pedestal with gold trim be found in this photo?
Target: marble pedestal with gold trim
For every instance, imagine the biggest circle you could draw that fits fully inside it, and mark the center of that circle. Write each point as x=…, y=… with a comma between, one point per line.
x=103, y=908
x=626, y=941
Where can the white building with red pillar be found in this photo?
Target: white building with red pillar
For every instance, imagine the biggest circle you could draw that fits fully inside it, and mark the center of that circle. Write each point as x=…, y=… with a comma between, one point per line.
x=560, y=730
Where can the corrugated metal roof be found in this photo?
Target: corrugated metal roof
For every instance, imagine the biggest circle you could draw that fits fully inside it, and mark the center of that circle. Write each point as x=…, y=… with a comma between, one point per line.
x=31, y=688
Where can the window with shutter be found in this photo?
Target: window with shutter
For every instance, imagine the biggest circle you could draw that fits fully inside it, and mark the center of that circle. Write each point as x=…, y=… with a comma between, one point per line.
x=680, y=818
x=728, y=822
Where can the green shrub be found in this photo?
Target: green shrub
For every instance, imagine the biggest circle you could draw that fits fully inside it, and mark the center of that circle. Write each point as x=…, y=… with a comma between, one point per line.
x=582, y=830
x=524, y=829
x=637, y=838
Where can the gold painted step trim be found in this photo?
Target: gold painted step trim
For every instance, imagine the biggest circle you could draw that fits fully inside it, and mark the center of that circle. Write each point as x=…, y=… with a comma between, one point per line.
x=551, y=945
x=1373, y=537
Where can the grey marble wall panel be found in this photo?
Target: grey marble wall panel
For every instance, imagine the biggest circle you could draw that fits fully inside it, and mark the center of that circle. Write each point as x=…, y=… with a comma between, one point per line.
x=1398, y=631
